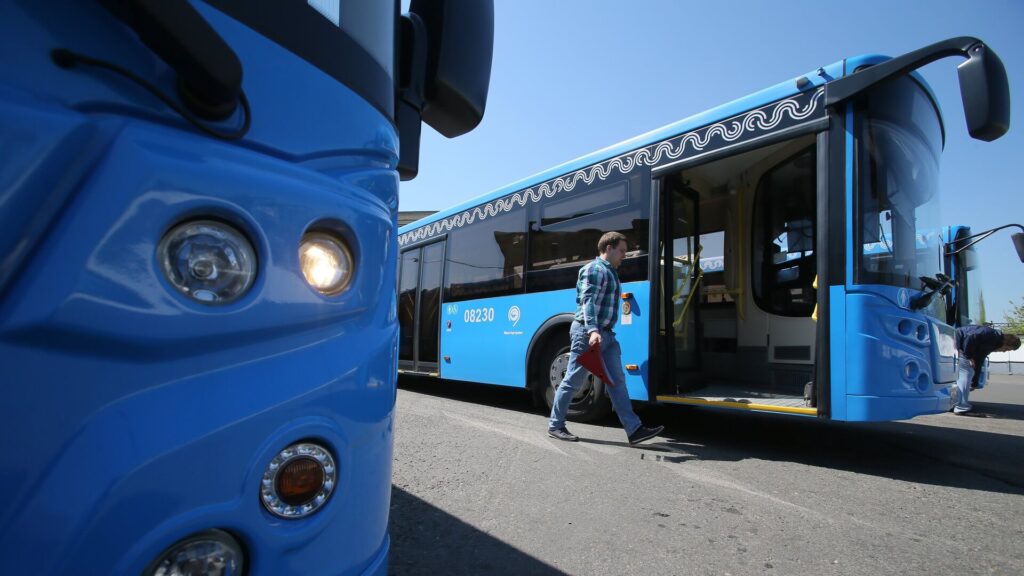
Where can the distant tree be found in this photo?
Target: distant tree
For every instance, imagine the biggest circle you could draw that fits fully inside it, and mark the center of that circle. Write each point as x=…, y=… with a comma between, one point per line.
x=983, y=318
x=1015, y=318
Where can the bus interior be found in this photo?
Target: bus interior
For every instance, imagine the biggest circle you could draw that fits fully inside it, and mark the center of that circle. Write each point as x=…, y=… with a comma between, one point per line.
x=736, y=329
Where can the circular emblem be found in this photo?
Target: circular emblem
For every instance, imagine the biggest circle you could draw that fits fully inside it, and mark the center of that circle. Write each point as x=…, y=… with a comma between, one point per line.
x=903, y=298
x=626, y=308
x=513, y=315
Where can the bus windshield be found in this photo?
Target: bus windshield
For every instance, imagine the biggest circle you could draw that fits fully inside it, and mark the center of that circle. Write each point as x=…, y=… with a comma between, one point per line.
x=899, y=139
x=352, y=41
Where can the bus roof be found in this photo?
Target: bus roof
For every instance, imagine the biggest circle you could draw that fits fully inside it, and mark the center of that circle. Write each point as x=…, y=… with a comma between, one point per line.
x=782, y=90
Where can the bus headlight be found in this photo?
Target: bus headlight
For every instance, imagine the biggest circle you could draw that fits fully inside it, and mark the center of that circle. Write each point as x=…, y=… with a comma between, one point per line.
x=326, y=263
x=945, y=338
x=213, y=553
x=208, y=261
x=298, y=481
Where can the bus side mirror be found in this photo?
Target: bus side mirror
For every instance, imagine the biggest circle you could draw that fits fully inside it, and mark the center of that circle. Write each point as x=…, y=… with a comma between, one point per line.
x=445, y=51
x=983, y=86
x=985, y=93
x=461, y=37
x=1018, y=243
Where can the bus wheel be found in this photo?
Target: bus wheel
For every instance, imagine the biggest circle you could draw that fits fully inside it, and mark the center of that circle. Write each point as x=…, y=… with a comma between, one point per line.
x=588, y=403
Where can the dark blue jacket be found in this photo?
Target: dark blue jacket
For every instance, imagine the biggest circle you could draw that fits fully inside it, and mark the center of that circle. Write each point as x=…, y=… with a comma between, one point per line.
x=977, y=342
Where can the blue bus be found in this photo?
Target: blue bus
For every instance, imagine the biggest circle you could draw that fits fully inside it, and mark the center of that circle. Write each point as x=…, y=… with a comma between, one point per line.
x=741, y=222
x=198, y=219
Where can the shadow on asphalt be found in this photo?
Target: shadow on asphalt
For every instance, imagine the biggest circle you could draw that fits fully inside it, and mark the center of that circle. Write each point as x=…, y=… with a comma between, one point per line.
x=999, y=411
x=427, y=540
x=952, y=455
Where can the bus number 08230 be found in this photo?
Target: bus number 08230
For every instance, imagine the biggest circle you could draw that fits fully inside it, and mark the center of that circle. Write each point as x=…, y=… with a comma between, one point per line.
x=478, y=315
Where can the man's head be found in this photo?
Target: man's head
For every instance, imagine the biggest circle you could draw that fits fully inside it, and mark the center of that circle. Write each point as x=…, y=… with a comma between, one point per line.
x=612, y=247
x=1010, y=342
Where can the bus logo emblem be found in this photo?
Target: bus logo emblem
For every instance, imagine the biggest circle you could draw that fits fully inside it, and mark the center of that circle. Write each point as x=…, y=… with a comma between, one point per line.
x=513, y=315
x=903, y=297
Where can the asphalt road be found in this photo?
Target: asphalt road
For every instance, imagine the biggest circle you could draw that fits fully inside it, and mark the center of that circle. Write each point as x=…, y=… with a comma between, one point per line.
x=478, y=488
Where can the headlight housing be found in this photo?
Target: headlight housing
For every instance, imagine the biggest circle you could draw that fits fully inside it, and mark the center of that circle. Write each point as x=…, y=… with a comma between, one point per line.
x=326, y=263
x=208, y=553
x=208, y=261
x=298, y=481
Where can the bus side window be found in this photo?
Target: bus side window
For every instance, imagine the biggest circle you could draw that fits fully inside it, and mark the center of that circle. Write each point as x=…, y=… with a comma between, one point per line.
x=564, y=230
x=486, y=257
x=783, y=262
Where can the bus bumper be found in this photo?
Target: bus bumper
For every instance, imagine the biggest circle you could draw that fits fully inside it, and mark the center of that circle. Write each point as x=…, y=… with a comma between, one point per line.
x=882, y=408
x=379, y=566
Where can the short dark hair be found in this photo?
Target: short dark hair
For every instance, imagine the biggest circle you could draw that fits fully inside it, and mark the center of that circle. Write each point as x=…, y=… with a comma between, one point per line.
x=1011, y=341
x=608, y=240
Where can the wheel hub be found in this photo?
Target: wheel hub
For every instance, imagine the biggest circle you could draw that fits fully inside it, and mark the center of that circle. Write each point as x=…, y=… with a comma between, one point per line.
x=557, y=373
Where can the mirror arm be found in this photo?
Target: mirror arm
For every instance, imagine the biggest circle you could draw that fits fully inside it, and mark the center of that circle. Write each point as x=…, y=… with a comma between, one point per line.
x=847, y=87
x=976, y=238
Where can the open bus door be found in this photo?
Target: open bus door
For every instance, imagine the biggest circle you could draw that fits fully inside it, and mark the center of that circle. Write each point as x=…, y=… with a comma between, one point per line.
x=678, y=324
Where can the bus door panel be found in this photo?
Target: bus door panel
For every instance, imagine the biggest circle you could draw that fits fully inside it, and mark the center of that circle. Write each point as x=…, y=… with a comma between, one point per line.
x=679, y=289
x=409, y=278
x=419, y=302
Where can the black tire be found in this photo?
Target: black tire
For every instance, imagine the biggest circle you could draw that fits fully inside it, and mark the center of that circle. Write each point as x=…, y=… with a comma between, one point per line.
x=588, y=404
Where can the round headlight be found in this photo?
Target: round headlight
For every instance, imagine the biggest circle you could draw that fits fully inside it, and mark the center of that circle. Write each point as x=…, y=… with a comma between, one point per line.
x=213, y=553
x=326, y=263
x=208, y=261
x=298, y=481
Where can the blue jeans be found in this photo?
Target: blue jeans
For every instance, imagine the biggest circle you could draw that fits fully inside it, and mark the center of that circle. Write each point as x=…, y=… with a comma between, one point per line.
x=964, y=377
x=579, y=342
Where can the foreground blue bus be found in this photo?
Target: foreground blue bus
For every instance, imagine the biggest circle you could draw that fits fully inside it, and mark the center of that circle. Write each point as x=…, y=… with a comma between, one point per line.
x=198, y=218
x=744, y=223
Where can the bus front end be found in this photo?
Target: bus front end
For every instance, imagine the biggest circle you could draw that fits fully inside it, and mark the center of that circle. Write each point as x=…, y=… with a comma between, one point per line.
x=197, y=305
x=891, y=341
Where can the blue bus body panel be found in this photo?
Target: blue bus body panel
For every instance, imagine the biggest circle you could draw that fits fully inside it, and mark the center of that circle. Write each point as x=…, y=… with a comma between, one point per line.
x=910, y=371
x=488, y=336
x=133, y=416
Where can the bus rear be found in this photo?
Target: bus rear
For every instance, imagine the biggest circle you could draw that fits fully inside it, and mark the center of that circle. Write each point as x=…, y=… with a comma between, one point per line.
x=197, y=258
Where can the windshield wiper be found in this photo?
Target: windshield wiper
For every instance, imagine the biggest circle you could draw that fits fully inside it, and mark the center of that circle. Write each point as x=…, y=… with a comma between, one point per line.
x=940, y=284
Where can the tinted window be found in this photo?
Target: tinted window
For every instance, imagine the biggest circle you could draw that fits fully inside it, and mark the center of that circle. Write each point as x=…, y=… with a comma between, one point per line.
x=784, y=233
x=564, y=233
x=486, y=258
x=410, y=272
x=430, y=300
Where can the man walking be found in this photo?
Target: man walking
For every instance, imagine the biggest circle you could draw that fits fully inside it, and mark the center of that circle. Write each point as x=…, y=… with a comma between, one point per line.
x=597, y=307
x=975, y=343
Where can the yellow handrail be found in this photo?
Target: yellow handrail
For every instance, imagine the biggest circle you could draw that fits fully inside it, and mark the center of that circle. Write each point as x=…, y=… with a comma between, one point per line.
x=689, y=297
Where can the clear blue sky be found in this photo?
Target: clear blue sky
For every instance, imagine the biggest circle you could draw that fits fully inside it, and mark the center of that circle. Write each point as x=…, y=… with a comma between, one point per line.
x=573, y=76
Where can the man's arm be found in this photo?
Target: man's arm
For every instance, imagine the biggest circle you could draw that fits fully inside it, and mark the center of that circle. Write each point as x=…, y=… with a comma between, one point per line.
x=588, y=296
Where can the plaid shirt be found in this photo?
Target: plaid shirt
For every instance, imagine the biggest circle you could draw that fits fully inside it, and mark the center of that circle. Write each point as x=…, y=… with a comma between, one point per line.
x=597, y=296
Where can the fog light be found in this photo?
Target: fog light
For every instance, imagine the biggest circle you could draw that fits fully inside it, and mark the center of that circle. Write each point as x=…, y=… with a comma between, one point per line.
x=208, y=261
x=209, y=553
x=298, y=481
x=326, y=263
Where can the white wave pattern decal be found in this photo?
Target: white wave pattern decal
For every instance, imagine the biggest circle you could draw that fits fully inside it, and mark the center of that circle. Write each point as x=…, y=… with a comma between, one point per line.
x=762, y=119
